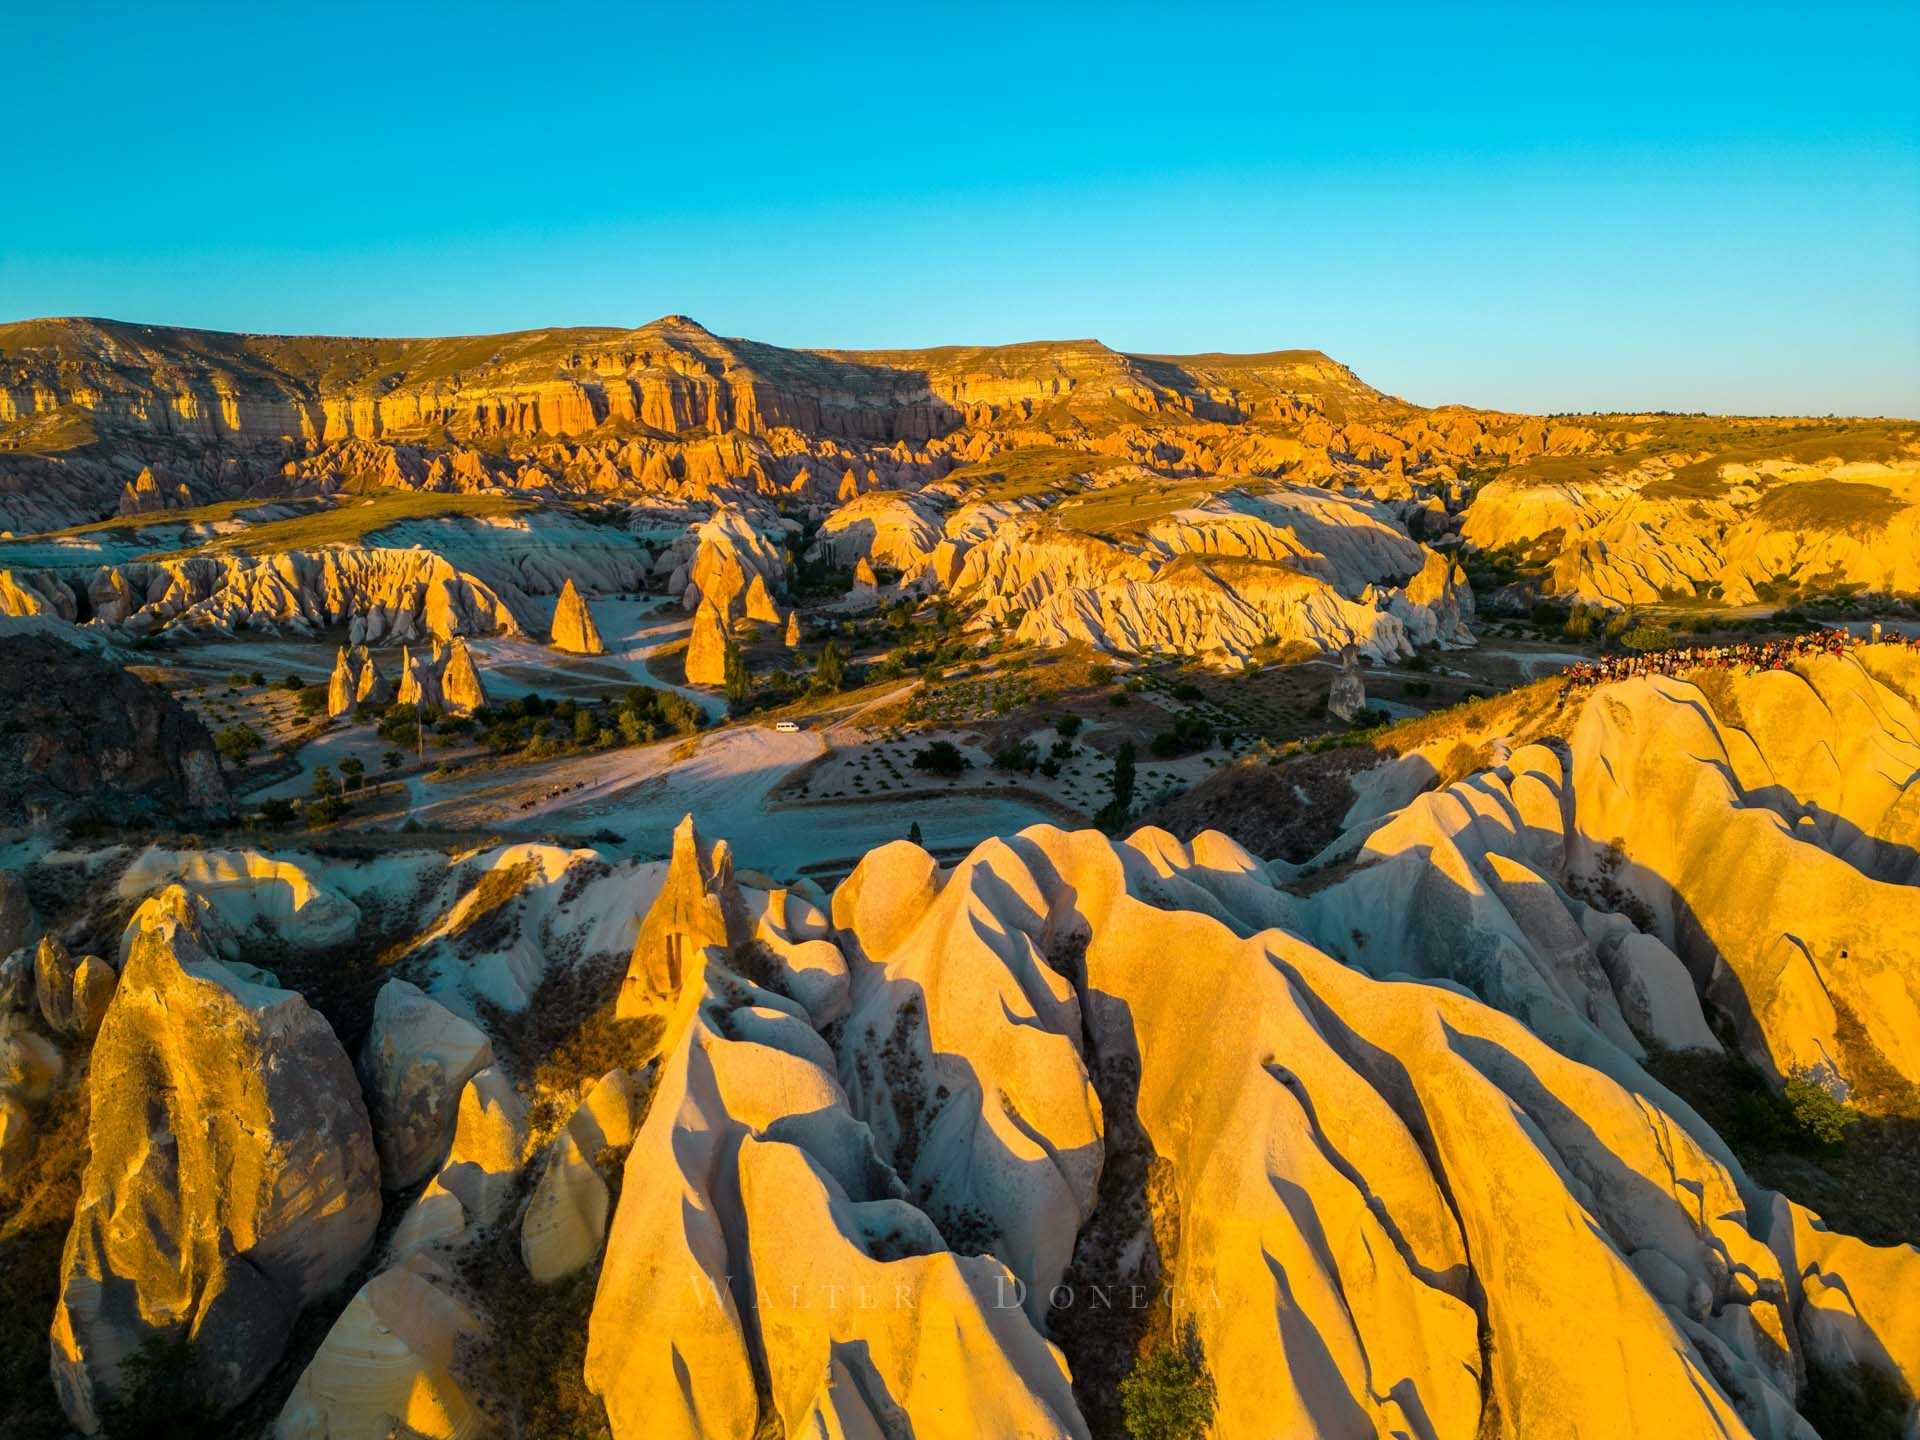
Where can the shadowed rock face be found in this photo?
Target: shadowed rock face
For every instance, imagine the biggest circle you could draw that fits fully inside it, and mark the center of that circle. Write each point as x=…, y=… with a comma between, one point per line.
x=231, y=1179
x=78, y=734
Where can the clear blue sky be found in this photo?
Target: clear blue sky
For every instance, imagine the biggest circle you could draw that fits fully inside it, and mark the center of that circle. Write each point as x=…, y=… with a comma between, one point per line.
x=1515, y=205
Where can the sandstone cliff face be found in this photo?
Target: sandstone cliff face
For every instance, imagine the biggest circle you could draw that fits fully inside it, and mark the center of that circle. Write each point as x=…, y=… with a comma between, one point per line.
x=231, y=1179
x=670, y=410
x=82, y=734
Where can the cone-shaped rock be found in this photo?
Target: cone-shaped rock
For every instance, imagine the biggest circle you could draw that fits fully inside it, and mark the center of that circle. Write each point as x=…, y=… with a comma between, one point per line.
x=707, y=650
x=700, y=906
x=863, y=574
x=759, y=603
x=342, y=685
x=573, y=627
x=419, y=684
x=373, y=688
x=1348, y=697
x=793, y=629
x=460, y=685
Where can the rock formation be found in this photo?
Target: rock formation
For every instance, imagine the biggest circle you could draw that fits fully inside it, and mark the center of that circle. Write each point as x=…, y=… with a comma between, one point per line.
x=343, y=685
x=793, y=636
x=566, y=1219
x=371, y=688
x=460, y=688
x=1347, y=697
x=481, y=1168
x=80, y=734
x=699, y=908
x=418, y=1057
x=391, y=1363
x=231, y=1178
x=707, y=647
x=758, y=604
x=1810, y=513
x=573, y=627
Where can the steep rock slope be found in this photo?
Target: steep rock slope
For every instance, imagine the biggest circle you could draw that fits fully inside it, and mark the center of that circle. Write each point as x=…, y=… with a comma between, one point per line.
x=231, y=1177
x=81, y=734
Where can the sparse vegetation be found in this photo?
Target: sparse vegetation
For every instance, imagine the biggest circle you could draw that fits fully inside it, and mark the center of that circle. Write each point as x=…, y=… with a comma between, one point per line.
x=1170, y=1395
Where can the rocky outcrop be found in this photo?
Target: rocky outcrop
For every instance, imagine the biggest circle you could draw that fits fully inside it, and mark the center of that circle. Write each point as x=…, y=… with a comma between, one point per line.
x=392, y=1363
x=231, y=1177
x=418, y=1058
x=750, y=1165
x=1222, y=578
x=707, y=647
x=444, y=678
x=573, y=627
x=566, y=1219
x=460, y=688
x=383, y=596
x=1812, y=516
x=979, y=1095
x=758, y=604
x=793, y=635
x=342, y=685
x=1347, y=697
x=729, y=555
x=698, y=910
x=78, y=734
x=481, y=1169
x=73, y=994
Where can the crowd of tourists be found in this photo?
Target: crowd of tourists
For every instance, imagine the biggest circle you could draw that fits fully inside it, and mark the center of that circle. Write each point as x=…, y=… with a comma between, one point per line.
x=1748, y=656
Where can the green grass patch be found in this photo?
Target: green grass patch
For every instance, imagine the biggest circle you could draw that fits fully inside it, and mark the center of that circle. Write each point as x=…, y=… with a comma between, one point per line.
x=1827, y=504
x=353, y=520
x=1120, y=508
x=1032, y=470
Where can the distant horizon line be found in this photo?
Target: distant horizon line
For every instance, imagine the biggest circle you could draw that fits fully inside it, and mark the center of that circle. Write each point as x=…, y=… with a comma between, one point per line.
x=683, y=320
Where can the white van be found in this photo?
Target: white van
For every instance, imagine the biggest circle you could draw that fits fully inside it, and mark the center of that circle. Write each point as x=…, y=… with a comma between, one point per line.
x=786, y=727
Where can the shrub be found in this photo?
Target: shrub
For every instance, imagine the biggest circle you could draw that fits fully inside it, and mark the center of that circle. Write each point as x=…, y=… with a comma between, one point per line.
x=1170, y=1394
x=1816, y=1110
x=237, y=742
x=1067, y=726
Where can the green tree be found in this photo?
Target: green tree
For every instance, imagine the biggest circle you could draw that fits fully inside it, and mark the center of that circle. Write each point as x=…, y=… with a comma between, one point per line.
x=354, y=769
x=1170, y=1394
x=739, y=683
x=237, y=742
x=942, y=757
x=1816, y=1110
x=324, y=785
x=1118, y=810
x=391, y=759
x=831, y=672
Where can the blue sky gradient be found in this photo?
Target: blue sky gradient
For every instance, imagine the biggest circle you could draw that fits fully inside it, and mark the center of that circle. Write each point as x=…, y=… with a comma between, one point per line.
x=1515, y=205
